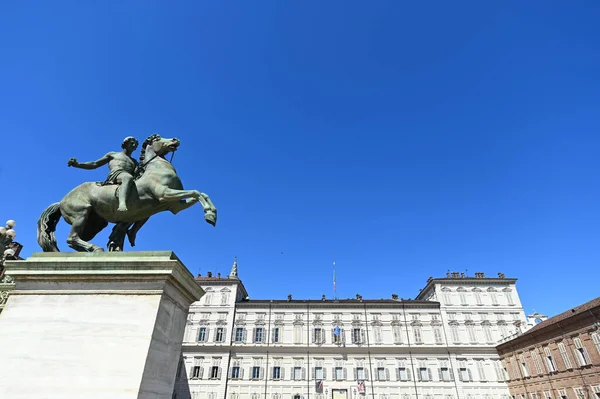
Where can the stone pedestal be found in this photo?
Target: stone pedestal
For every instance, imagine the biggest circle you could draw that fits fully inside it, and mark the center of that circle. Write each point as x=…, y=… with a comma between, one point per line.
x=89, y=325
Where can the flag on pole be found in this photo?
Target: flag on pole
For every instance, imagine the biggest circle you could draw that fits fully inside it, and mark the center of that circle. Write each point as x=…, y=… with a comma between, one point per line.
x=336, y=331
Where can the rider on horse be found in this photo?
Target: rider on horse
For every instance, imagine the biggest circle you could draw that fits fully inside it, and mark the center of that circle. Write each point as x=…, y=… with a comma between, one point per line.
x=123, y=169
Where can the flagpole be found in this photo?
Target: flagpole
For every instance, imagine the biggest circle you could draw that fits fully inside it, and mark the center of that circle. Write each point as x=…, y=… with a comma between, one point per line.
x=334, y=283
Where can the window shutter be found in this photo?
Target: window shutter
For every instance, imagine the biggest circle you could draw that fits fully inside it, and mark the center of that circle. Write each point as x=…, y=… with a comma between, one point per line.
x=408, y=374
x=201, y=372
x=303, y=373
x=313, y=373
x=323, y=340
x=225, y=335
x=314, y=335
x=429, y=374
x=586, y=356
x=440, y=374
x=387, y=374
x=219, y=373
x=470, y=375
x=254, y=335
x=366, y=374
x=343, y=335
x=332, y=336
x=451, y=373
x=419, y=374
x=334, y=374
x=241, y=373
x=362, y=336
x=397, y=373
x=231, y=372
x=282, y=372
x=324, y=373
x=460, y=375
x=244, y=335
x=206, y=334
x=345, y=375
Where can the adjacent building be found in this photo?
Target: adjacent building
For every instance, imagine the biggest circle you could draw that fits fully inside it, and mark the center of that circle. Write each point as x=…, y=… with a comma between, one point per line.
x=440, y=345
x=559, y=358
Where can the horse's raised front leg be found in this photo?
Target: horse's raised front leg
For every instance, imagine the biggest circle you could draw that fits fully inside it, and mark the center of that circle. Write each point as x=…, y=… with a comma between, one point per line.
x=183, y=196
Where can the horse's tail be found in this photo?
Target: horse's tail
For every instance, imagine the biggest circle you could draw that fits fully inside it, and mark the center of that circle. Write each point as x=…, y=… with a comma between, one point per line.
x=47, y=226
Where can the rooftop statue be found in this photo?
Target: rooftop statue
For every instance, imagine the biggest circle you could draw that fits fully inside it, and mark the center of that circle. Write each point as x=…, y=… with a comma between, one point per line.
x=131, y=194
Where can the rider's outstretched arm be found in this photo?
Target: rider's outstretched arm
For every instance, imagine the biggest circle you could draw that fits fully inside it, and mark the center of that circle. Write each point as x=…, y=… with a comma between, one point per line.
x=93, y=164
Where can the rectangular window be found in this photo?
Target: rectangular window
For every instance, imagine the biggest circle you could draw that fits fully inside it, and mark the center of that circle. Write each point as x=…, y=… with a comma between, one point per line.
x=276, y=335
x=276, y=372
x=579, y=393
x=202, y=334
x=487, y=331
x=381, y=374
x=235, y=372
x=297, y=371
x=471, y=332
x=478, y=298
x=318, y=336
x=256, y=373
x=403, y=374
x=196, y=371
x=524, y=367
x=319, y=375
x=214, y=372
x=445, y=373
x=360, y=373
x=481, y=370
x=356, y=335
x=536, y=361
x=580, y=352
x=437, y=334
x=550, y=365
x=500, y=375
x=564, y=355
x=596, y=339
x=463, y=299
x=397, y=331
x=562, y=394
x=297, y=334
x=463, y=371
x=417, y=332
x=259, y=334
x=339, y=374
x=547, y=395
x=220, y=336
x=377, y=333
x=454, y=332
x=239, y=334
x=509, y=298
x=494, y=297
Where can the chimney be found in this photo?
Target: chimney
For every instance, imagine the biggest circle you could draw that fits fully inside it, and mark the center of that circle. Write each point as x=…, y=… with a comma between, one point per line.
x=357, y=297
x=462, y=275
x=289, y=297
x=447, y=274
x=455, y=274
x=500, y=275
x=218, y=275
x=199, y=275
x=323, y=297
x=395, y=297
x=209, y=274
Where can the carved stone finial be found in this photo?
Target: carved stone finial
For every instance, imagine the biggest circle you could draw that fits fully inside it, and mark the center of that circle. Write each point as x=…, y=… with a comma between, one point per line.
x=234, y=271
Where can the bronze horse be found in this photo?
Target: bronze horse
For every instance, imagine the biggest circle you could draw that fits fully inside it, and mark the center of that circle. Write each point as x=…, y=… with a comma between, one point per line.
x=89, y=207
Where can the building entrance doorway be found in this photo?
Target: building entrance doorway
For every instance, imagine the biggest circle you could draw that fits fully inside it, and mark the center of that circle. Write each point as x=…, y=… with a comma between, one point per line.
x=339, y=394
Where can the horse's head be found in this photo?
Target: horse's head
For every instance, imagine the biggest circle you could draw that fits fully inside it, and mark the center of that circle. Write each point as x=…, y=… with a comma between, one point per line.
x=159, y=145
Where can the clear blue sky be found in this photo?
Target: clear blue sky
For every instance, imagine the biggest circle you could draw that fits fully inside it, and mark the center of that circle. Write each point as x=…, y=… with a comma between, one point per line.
x=400, y=139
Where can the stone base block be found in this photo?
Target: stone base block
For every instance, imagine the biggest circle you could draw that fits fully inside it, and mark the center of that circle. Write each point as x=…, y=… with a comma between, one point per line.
x=83, y=326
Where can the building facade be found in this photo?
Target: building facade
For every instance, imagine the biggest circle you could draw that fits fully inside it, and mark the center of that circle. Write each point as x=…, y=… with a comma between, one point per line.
x=441, y=345
x=559, y=358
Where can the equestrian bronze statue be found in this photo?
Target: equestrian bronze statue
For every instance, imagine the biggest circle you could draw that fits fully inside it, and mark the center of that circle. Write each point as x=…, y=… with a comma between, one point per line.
x=89, y=207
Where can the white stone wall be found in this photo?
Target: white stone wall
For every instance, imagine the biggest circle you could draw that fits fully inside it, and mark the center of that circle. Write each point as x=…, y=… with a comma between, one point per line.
x=407, y=335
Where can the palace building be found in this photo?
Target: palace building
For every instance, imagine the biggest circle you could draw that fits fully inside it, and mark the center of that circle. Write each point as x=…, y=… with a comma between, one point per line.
x=440, y=345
